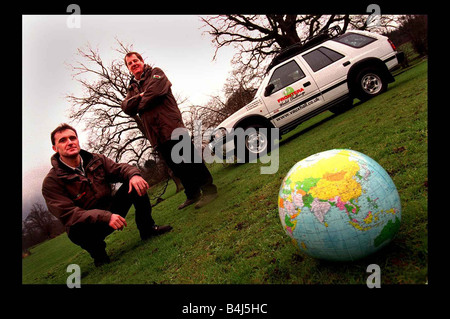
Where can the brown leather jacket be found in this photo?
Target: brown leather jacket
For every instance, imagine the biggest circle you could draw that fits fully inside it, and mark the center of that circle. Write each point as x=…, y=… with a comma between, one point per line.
x=157, y=108
x=74, y=198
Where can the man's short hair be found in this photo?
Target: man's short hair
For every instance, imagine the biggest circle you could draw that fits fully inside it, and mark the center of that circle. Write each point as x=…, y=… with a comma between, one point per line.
x=60, y=128
x=130, y=54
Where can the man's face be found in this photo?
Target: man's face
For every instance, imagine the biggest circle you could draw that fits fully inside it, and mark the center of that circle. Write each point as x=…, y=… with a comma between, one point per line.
x=66, y=144
x=135, y=65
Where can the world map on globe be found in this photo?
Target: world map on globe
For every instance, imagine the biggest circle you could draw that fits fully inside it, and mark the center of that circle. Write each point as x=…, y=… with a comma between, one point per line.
x=339, y=205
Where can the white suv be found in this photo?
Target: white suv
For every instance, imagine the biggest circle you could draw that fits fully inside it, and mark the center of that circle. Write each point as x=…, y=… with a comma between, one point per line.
x=324, y=73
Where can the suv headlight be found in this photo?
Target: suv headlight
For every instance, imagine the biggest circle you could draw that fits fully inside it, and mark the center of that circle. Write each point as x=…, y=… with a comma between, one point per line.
x=218, y=134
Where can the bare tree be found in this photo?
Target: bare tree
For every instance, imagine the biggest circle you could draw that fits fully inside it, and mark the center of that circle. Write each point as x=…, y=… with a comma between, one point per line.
x=239, y=90
x=258, y=37
x=39, y=225
x=112, y=132
x=415, y=27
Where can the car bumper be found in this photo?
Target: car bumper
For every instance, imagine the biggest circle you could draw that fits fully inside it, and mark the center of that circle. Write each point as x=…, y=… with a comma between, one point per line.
x=400, y=57
x=222, y=148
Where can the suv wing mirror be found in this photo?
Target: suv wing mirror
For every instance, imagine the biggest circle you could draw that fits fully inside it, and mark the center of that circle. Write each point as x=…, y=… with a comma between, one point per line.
x=269, y=89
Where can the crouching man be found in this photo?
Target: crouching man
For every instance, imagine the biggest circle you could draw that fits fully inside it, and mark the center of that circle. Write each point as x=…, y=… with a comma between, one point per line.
x=77, y=191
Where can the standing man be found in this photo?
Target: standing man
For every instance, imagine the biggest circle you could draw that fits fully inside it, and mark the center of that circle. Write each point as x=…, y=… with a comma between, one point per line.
x=77, y=191
x=150, y=96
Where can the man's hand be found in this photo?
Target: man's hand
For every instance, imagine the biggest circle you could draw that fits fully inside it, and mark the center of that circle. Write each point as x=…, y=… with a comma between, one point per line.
x=117, y=222
x=139, y=184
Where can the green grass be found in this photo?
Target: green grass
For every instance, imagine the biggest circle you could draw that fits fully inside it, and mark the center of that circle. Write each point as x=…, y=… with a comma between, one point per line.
x=238, y=239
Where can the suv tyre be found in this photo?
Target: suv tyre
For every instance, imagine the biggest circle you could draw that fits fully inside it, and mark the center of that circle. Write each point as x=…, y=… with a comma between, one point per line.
x=369, y=83
x=257, y=142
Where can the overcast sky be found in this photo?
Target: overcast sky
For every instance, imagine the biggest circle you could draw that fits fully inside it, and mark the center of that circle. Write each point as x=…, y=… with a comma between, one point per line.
x=173, y=43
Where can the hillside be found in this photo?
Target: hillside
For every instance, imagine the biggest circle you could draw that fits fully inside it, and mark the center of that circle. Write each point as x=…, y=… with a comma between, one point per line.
x=238, y=239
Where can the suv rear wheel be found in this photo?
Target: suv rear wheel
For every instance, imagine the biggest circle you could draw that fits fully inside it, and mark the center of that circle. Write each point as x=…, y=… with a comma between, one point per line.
x=369, y=83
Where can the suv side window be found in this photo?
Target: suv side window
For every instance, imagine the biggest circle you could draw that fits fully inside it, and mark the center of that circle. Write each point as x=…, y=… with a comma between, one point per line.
x=354, y=40
x=285, y=75
x=321, y=57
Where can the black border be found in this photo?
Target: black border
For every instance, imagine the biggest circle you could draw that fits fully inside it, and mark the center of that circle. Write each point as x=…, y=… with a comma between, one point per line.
x=171, y=298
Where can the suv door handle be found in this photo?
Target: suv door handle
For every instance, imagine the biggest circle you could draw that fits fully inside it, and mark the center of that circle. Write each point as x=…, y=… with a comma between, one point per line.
x=306, y=84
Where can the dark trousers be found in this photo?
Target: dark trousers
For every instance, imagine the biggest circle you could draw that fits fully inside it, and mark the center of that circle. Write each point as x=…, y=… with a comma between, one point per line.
x=91, y=237
x=195, y=177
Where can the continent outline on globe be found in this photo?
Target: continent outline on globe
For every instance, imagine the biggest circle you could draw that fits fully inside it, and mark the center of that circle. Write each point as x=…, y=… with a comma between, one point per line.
x=308, y=188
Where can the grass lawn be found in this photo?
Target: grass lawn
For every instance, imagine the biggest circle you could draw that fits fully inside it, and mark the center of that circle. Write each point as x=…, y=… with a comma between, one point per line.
x=238, y=238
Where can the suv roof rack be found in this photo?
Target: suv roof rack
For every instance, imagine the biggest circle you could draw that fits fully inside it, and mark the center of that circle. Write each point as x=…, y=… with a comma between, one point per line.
x=299, y=47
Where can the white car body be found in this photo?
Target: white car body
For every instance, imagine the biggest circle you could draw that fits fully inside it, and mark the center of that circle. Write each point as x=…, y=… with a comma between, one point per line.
x=313, y=88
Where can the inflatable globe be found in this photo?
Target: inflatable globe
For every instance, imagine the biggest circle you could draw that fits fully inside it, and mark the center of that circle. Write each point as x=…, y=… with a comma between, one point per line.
x=339, y=205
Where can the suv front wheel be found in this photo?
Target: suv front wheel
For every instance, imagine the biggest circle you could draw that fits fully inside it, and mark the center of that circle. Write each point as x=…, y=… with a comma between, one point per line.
x=369, y=83
x=257, y=142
